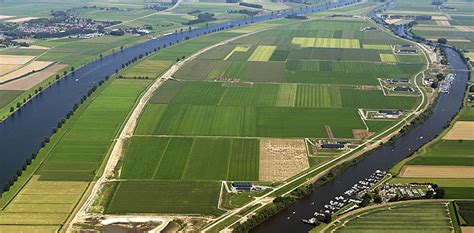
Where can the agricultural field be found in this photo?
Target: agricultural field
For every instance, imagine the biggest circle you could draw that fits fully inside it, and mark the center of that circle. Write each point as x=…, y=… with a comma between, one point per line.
x=70, y=161
x=220, y=117
x=433, y=217
x=454, y=21
x=191, y=159
x=166, y=197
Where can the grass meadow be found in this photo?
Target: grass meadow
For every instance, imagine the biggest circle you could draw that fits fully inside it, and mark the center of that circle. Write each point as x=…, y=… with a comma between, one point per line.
x=401, y=218
x=166, y=158
x=178, y=197
x=70, y=161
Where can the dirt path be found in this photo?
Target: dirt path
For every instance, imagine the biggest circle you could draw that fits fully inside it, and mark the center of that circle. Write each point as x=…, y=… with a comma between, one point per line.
x=127, y=132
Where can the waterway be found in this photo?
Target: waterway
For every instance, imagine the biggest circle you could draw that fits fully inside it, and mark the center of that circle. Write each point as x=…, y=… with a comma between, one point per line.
x=22, y=133
x=383, y=158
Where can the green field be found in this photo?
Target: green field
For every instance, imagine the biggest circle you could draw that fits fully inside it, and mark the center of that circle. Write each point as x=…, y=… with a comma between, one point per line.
x=400, y=218
x=70, y=161
x=179, y=197
x=191, y=159
x=443, y=152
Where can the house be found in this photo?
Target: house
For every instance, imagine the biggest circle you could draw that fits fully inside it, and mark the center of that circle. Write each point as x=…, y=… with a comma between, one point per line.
x=332, y=146
x=403, y=88
x=391, y=112
x=407, y=51
x=400, y=80
x=246, y=186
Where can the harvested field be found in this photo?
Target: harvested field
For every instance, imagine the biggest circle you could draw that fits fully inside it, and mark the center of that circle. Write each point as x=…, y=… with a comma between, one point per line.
x=462, y=130
x=281, y=159
x=237, y=49
x=388, y=58
x=422, y=171
x=467, y=229
x=6, y=16
x=14, y=59
x=35, y=47
x=32, y=67
x=443, y=23
x=465, y=28
x=439, y=18
x=21, y=20
x=7, y=68
x=32, y=79
x=262, y=53
x=307, y=42
x=361, y=134
x=377, y=46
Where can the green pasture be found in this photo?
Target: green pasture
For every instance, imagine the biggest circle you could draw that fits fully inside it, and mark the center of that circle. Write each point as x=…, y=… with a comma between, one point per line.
x=82, y=149
x=164, y=158
x=173, y=197
x=446, y=152
x=400, y=218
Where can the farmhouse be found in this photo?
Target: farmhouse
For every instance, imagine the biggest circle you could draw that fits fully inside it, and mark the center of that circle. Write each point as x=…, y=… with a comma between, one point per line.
x=242, y=186
x=403, y=88
x=389, y=113
x=407, y=51
x=400, y=80
x=332, y=146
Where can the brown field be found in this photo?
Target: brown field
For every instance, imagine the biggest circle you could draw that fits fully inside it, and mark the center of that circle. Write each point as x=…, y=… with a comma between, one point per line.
x=33, y=66
x=361, y=133
x=465, y=28
x=281, y=159
x=21, y=20
x=35, y=47
x=467, y=229
x=14, y=60
x=6, y=16
x=439, y=18
x=443, y=23
x=422, y=171
x=462, y=130
x=32, y=80
x=7, y=68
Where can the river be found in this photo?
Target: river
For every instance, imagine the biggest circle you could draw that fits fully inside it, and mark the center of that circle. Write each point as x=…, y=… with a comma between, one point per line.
x=22, y=133
x=383, y=158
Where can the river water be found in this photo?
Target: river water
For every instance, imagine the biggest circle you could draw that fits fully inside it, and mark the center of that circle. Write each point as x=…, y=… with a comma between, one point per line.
x=22, y=133
x=383, y=158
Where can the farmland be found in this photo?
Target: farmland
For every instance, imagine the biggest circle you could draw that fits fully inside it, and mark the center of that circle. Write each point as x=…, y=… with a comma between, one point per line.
x=166, y=197
x=434, y=217
x=191, y=159
x=453, y=22
x=239, y=112
x=67, y=165
x=243, y=111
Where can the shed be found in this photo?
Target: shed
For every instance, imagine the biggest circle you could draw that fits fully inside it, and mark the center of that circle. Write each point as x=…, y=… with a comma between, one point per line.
x=332, y=146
